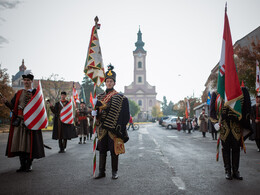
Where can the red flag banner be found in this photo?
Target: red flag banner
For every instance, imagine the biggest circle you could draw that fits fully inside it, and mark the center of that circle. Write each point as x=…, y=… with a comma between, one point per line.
x=35, y=116
x=91, y=100
x=66, y=113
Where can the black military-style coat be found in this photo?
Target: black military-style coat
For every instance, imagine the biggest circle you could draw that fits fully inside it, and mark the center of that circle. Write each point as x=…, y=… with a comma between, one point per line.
x=61, y=130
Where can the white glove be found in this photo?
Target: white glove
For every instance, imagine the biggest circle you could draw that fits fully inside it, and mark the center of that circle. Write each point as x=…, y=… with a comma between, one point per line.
x=94, y=113
x=216, y=126
x=94, y=101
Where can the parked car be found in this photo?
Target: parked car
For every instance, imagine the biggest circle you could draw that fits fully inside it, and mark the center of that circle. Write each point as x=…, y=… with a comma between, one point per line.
x=162, y=119
x=171, y=123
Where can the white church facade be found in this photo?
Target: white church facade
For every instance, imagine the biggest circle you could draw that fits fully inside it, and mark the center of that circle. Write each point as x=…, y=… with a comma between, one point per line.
x=140, y=90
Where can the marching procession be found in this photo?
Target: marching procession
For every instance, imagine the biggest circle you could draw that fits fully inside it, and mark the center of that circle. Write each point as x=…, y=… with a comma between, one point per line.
x=86, y=129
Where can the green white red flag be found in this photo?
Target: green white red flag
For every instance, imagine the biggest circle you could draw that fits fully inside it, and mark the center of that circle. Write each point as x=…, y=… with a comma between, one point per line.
x=94, y=67
x=228, y=83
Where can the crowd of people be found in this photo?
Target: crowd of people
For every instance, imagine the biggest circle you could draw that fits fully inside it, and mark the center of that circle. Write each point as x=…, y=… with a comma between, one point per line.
x=111, y=113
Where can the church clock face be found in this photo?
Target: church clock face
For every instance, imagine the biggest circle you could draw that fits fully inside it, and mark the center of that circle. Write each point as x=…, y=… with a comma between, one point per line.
x=139, y=55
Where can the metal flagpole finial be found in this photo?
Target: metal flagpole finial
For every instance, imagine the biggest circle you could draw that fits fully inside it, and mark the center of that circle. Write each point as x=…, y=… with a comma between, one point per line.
x=226, y=7
x=96, y=22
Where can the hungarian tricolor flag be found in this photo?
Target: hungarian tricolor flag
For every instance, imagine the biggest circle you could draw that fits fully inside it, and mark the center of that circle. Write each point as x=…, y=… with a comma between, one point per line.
x=94, y=67
x=228, y=83
x=35, y=116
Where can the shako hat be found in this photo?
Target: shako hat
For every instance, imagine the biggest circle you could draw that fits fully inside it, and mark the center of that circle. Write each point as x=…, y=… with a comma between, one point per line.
x=28, y=74
x=110, y=74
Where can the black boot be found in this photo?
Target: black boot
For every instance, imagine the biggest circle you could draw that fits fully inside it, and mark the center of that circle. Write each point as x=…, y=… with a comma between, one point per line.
x=80, y=140
x=114, y=162
x=235, y=165
x=64, y=145
x=61, y=146
x=22, y=163
x=84, y=140
x=28, y=166
x=227, y=164
x=102, y=166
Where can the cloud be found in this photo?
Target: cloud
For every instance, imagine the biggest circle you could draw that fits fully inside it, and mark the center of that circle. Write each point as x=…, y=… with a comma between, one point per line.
x=5, y=4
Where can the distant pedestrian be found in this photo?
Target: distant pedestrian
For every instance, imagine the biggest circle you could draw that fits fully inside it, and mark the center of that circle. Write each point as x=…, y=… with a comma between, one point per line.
x=189, y=125
x=212, y=130
x=90, y=117
x=203, y=122
x=131, y=123
x=82, y=120
x=256, y=122
x=178, y=123
x=183, y=122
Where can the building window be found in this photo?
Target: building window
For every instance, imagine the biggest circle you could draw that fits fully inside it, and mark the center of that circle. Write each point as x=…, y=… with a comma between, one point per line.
x=150, y=103
x=140, y=103
x=139, y=79
x=139, y=64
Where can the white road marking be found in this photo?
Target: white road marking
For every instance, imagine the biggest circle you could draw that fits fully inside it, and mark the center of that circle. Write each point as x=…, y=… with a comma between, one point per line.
x=179, y=183
x=172, y=136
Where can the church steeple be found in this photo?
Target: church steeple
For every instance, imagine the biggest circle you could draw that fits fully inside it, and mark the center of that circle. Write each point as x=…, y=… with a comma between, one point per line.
x=22, y=67
x=139, y=44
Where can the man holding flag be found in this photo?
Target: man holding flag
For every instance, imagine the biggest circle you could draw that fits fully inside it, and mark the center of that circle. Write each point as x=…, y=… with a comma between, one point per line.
x=228, y=105
x=112, y=117
x=63, y=128
x=29, y=116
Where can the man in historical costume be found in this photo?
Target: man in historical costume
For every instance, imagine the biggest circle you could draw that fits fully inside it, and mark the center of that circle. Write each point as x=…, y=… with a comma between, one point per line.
x=256, y=121
x=231, y=131
x=82, y=120
x=112, y=118
x=22, y=142
x=203, y=122
x=90, y=118
x=61, y=131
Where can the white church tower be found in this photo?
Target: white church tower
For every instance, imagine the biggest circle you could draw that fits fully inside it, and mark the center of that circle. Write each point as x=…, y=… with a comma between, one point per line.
x=140, y=90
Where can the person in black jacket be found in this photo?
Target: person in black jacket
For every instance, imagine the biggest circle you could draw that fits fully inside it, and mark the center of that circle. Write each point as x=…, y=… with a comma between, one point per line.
x=112, y=117
x=61, y=131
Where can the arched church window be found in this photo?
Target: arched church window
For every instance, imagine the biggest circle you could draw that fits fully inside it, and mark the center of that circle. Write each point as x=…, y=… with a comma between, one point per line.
x=139, y=64
x=140, y=103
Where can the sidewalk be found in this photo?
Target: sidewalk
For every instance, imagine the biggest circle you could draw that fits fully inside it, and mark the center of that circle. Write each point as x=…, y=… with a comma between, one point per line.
x=5, y=129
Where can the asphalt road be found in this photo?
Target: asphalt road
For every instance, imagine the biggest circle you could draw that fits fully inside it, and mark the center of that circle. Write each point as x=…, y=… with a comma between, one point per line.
x=157, y=161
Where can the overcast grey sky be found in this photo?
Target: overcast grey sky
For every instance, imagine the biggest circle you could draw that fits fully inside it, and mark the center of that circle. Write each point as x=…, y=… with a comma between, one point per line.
x=181, y=38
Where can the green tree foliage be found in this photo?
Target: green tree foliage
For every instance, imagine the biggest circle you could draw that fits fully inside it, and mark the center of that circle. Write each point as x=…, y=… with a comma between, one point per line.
x=134, y=108
x=168, y=109
x=180, y=107
x=6, y=90
x=246, y=64
x=156, y=112
x=88, y=86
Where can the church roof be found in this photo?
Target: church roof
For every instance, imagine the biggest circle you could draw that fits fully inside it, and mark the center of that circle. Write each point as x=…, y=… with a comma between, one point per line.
x=19, y=74
x=139, y=44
